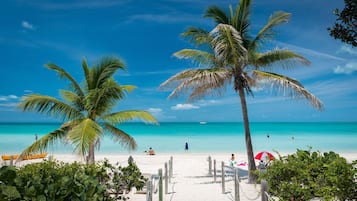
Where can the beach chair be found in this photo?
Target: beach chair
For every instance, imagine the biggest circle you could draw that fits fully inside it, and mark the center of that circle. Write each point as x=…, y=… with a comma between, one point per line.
x=12, y=158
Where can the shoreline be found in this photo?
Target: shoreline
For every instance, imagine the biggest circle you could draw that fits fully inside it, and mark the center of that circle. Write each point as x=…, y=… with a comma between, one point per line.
x=159, y=158
x=221, y=156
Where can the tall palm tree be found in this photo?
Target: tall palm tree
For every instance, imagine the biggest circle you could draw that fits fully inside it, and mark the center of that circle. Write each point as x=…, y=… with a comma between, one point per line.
x=86, y=109
x=233, y=56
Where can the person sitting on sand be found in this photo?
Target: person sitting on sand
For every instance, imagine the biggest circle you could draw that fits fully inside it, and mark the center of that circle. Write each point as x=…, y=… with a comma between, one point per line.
x=151, y=151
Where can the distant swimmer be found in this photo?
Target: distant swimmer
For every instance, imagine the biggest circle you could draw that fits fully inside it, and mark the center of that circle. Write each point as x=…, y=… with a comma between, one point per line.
x=268, y=136
x=292, y=138
x=186, y=146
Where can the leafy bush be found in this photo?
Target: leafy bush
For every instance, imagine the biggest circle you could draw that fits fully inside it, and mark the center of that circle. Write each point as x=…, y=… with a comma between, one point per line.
x=52, y=180
x=122, y=179
x=306, y=175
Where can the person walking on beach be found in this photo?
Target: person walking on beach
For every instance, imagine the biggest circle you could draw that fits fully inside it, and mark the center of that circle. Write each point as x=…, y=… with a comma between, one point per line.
x=186, y=146
x=262, y=166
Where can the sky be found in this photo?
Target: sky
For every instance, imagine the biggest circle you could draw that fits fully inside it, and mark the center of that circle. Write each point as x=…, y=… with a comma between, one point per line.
x=145, y=34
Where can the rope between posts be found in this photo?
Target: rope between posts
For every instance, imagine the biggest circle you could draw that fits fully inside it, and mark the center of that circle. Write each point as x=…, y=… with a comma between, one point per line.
x=269, y=196
x=246, y=196
x=173, y=190
x=241, y=189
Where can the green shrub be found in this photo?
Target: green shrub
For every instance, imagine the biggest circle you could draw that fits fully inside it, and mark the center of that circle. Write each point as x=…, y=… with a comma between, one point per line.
x=124, y=178
x=8, y=190
x=52, y=180
x=306, y=175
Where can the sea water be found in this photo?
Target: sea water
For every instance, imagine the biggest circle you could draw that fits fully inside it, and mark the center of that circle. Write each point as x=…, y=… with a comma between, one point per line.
x=201, y=138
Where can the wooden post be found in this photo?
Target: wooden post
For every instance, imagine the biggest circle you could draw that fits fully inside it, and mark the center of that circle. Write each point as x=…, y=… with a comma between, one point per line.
x=223, y=179
x=215, y=170
x=149, y=190
x=264, y=190
x=160, y=185
x=11, y=160
x=171, y=168
x=166, y=179
x=236, y=185
x=209, y=165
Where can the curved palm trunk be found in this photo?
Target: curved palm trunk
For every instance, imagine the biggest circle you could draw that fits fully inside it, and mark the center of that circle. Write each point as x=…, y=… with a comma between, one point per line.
x=90, y=157
x=248, y=141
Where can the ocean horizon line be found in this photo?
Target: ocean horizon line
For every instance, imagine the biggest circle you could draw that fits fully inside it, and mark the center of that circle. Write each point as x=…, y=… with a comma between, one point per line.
x=184, y=122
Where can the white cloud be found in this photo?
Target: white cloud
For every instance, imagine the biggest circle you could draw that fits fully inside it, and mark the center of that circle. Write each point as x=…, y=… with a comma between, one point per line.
x=203, y=103
x=27, y=91
x=8, y=97
x=154, y=110
x=310, y=51
x=348, y=49
x=27, y=25
x=165, y=18
x=349, y=68
x=8, y=104
x=77, y=4
x=184, y=107
x=159, y=114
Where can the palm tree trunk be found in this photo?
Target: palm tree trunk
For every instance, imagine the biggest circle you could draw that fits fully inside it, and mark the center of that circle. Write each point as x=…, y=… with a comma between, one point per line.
x=90, y=159
x=248, y=141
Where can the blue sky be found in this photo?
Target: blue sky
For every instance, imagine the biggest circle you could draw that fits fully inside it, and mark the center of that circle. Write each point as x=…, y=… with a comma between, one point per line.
x=145, y=34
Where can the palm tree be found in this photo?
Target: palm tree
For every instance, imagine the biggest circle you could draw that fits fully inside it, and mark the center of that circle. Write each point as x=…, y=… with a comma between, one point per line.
x=86, y=110
x=232, y=54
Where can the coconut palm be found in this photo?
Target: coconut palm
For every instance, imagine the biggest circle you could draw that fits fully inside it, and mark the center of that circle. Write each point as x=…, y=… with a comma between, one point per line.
x=86, y=109
x=232, y=56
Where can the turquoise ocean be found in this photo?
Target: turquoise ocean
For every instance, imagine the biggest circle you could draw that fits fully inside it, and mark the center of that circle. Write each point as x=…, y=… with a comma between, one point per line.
x=202, y=138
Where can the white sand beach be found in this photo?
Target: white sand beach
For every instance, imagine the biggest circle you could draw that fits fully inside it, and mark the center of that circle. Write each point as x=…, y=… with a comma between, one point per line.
x=191, y=180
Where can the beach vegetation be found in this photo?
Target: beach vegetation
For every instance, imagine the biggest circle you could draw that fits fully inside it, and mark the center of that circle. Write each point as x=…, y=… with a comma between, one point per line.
x=230, y=55
x=307, y=174
x=53, y=180
x=345, y=27
x=86, y=109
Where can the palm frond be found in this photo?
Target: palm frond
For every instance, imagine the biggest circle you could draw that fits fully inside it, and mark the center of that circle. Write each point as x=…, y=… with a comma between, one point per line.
x=73, y=99
x=87, y=74
x=215, y=87
x=240, y=18
x=197, y=36
x=200, y=82
x=101, y=100
x=124, y=116
x=228, y=44
x=50, y=106
x=120, y=136
x=83, y=135
x=288, y=86
x=41, y=144
x=173, y=80
x=64, y=74
x=267, y=31
x=284, y=58
x=105, y=70
x=197, y=56
x=127, y=88
x=217, y=14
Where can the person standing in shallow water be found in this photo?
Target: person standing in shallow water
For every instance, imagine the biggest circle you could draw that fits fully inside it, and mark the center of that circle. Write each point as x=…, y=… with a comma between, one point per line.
x=186, y=146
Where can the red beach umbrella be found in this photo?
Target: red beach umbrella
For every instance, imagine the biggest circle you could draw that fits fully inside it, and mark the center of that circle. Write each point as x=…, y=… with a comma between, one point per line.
x=263, y=155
